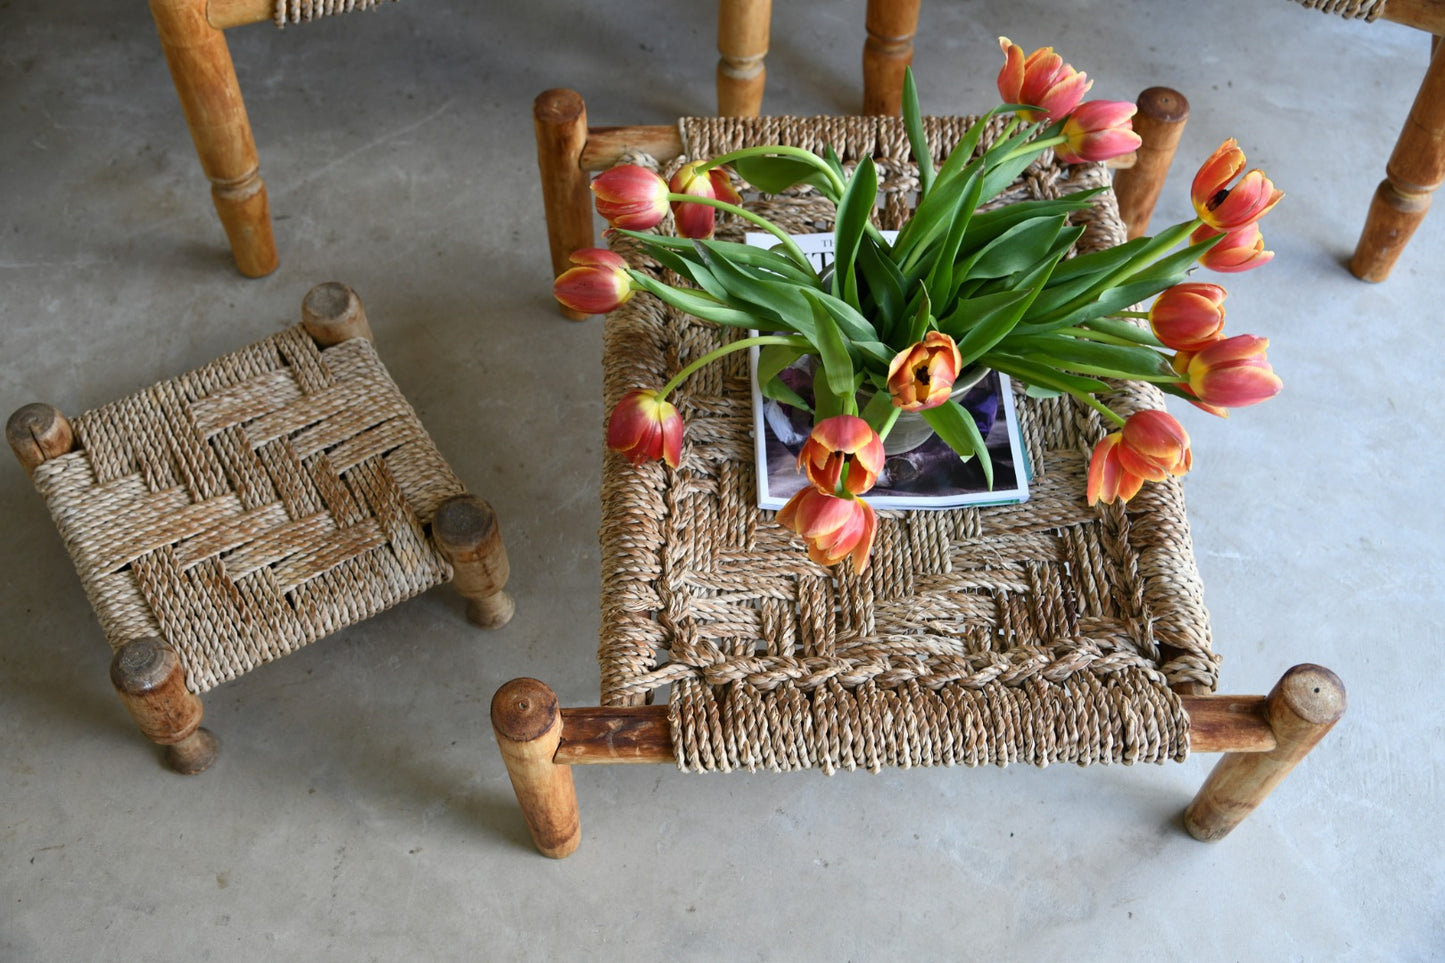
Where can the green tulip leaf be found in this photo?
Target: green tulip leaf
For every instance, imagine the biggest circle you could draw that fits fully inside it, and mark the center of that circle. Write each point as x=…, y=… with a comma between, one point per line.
x=832, y=349
x=695, y=303
x=855, y=211
x=773, y=175
x=917, y=140
x=955, y=425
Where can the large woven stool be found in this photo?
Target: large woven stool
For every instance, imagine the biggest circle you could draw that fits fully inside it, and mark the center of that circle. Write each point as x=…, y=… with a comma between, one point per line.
x=227, y=517
x=1043, y=632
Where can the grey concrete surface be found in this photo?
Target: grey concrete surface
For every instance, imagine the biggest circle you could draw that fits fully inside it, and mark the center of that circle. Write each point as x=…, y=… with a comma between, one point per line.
x=359, y=810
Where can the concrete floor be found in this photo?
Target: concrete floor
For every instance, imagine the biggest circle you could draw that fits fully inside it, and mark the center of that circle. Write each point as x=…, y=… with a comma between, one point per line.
x=359, y=809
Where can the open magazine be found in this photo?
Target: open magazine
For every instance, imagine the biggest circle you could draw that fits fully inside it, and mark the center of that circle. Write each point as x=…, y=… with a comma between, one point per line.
x=930, y=476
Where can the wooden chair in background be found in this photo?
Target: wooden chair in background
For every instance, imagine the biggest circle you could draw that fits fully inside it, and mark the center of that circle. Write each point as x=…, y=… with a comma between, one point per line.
x=1417, y=165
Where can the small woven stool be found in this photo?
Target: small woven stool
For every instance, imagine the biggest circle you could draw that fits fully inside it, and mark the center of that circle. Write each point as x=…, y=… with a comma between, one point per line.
x=227, y=517
x=1044, y=632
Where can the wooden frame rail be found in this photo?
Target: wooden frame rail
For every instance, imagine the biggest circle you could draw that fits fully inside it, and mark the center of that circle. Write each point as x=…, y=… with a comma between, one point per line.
x=1262, y=739
x=569, y=151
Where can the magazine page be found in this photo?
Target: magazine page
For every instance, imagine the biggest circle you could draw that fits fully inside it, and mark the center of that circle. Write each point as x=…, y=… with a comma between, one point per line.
x=927, y=476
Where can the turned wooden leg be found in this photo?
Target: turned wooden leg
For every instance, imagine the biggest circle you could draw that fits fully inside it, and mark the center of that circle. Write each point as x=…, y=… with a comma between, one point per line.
x=210, y=95
x=332, y=313
x=37, y=433
x=887, y=53
x=465, y=530
x=1303, y=706
x=559, y=119
x=1159, y=124
x=148, y=676
x=742, y=45
x=528, y=726
x=1415, y=170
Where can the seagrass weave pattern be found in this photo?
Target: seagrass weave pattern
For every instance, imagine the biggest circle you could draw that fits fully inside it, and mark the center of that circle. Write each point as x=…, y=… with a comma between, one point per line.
x=251, y=506
x=1041, y=632
x=299, y=11
x=1350, y=9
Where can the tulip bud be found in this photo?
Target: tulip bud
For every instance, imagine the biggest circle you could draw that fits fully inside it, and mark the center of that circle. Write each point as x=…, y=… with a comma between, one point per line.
x=1040, y=80
x=843, y=454
x=1226, y=208
x=1188, y=316
x=1241, y=250
x=1232, y=373
x=834, y=528
x=598, y=284
x=922, y=375
x=698, y=220
x=1098, y=131
x=630, y=197
x=643, y=426
x=1150, y=447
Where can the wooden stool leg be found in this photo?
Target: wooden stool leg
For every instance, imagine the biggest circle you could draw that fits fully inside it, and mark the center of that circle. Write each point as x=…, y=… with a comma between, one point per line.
x=148, y=676
x=332, y=313
x=465, y=529
x=38, y=433
x=1415, y=170
x=742, y=45
x=1303, y=706
x=559, y=119
x=1159, y=124
x=528, y=726
x=887, y=53
x=210, y=95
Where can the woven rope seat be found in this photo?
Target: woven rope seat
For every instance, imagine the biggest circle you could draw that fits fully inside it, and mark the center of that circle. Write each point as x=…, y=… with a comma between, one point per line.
x=1042, y=632
x=227, y=517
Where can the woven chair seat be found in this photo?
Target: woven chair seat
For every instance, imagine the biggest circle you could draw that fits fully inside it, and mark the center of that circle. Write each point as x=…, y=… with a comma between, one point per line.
x=1041, y=632
x=251, y=506
x=300, y=11
x=1349, y=9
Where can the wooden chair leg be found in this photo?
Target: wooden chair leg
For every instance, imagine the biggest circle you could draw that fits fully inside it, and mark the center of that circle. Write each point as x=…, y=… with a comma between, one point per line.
x=559, y=119
x=38, y=433
x=465, y=529
x=887, y=52
x=1415, y=171
x=210, y=95
x=742, y=46
x=528, y=726
x=1303, y=706
x=332, y=313
x=1159, y=124
x=148, y=676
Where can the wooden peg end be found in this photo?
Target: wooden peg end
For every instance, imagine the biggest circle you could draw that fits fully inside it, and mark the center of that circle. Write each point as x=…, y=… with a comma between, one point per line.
x=528, y=725
x=148, y=676
x=38, y=433
x=466, y=531
x=333, y=313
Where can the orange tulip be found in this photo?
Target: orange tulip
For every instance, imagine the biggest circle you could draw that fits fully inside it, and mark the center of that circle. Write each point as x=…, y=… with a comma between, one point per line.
x=1188, y=316
x=1241, y=250
x=1040, y=80
x=1098, y=131
x=922, y=375
x=1232, y=373
x=834, y=528
x=644, y=426
x=598, y=283
x=1150, y=447
x=630, y=197
x=842, y=455
x=698, y=220
x=1227, y=208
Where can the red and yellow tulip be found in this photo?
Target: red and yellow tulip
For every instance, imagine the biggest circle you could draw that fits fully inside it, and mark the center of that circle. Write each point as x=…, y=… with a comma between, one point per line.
x=842, y=455
x=1227, y=208
x=1231, y=373
x=834, y=528
x=1151, y=446
x=644, y=426
x=698, y=220
x=1041, y=80
x=1098, y=131
x=630, y=197
x=597, y=284
x=922, y=374
x=1241, y=250
x=1188, y=316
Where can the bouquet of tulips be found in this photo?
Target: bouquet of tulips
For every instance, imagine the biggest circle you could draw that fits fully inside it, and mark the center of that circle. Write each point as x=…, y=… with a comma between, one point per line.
x=895, y=322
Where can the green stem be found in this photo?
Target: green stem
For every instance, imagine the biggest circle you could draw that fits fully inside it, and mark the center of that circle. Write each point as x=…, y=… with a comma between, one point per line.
x=1033, y=147
x=888, y=425
x=727, y=349
x=789, y=245
x=1099, y=406
x=1084, y=334
x=1141, y=315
